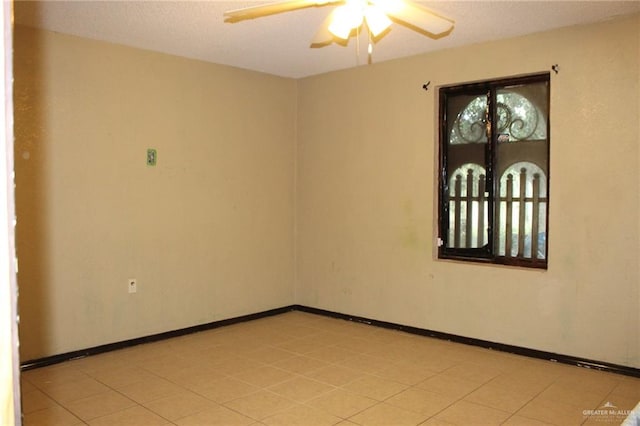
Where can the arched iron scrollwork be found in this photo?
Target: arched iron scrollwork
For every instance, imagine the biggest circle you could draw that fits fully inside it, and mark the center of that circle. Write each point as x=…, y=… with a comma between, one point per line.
x=521, y=122
x=518, y=118
x=473, y=132
x=470, y=124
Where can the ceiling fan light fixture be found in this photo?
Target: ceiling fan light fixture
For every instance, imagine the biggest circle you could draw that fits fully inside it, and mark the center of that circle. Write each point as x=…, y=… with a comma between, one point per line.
x=377, y=21
x=345, y=18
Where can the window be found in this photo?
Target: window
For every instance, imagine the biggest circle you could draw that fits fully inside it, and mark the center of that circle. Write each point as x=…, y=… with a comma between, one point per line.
x=494, y=171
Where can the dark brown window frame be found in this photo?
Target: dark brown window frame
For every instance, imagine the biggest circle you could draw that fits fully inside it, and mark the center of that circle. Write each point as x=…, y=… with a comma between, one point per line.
x=488, y=253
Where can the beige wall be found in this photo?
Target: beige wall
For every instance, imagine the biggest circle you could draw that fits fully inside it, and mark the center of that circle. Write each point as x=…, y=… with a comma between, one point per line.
x=367, y=197
x=207, y=232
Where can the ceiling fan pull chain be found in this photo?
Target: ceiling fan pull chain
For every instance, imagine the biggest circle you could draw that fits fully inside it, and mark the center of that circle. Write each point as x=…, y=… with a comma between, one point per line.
x=358, y=46
x=370, y=48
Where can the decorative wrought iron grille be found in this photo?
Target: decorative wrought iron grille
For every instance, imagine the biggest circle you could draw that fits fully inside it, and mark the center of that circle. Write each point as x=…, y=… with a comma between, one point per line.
x=494, y=171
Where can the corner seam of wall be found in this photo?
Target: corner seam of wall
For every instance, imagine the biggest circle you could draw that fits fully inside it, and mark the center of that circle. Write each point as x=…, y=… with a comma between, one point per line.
x=295, y=195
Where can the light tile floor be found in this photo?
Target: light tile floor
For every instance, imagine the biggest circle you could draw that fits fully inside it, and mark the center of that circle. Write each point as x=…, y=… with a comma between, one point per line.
x=304, y=369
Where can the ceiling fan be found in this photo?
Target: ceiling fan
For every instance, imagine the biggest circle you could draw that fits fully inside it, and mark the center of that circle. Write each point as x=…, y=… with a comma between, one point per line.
x=351, y=15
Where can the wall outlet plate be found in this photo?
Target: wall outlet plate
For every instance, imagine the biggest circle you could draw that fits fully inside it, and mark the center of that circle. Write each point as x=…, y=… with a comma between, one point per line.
x=133, y=285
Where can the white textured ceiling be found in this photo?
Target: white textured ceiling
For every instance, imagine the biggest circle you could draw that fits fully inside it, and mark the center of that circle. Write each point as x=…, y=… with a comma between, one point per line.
x=280, y=44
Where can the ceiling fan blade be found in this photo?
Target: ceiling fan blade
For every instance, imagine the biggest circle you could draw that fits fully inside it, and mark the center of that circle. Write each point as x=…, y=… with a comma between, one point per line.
x=271, y=9
x=323, y=36
x=417, y=16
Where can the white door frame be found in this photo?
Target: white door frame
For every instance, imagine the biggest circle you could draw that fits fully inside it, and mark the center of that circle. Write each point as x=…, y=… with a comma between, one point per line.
x=10, y=410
